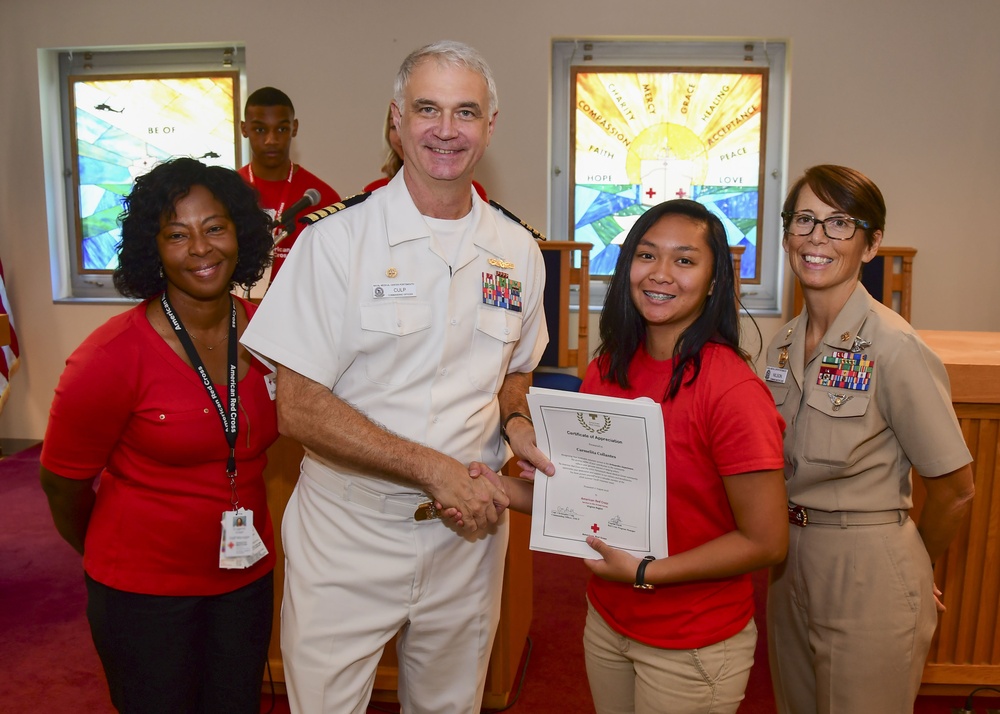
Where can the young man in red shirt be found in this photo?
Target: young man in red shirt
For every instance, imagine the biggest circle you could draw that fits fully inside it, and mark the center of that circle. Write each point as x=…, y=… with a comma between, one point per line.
x=269, y=123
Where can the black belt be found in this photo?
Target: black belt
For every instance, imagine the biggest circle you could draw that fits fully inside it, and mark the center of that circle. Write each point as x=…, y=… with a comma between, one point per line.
x=802, y=517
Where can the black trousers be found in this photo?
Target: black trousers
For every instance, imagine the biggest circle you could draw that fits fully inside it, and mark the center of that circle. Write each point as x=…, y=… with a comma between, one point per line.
x=183, y=655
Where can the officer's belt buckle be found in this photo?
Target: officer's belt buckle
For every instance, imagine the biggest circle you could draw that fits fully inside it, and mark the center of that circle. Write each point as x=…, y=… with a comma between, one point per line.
x=426, y=512
x=797, y=516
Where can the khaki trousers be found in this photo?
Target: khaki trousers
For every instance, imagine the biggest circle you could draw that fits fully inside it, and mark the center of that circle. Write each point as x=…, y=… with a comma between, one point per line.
x=850, y=617
x=629, y=677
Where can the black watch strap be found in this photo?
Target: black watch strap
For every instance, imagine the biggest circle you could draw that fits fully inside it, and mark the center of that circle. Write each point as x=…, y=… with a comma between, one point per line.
x=640, y=575
x=503, y=427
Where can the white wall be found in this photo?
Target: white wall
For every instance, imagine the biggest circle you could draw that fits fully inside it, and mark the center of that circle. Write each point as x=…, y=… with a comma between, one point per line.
x=905, y=91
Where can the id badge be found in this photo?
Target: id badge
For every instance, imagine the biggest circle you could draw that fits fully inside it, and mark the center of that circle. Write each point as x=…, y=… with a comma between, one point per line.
x=241, y=545
x=237, y=533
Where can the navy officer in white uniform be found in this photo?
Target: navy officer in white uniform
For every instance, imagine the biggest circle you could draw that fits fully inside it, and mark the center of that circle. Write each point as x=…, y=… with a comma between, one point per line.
x=404, y=327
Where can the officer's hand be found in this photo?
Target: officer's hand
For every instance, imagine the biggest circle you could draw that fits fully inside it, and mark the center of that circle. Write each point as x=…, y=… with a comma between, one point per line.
x=453, y=517
x=477, y=469
x=521, y=434
x=939, y=599
x=472, y=499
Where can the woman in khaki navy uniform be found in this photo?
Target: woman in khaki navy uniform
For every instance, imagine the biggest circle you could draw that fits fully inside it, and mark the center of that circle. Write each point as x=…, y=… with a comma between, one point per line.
x=852, y=611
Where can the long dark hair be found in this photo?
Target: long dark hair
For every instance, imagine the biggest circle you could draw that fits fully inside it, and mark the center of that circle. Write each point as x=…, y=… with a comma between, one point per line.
x=623, y=329
x=154, y=196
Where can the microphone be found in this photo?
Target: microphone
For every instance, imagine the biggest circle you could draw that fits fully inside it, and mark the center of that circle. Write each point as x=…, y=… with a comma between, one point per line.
x=310, y=198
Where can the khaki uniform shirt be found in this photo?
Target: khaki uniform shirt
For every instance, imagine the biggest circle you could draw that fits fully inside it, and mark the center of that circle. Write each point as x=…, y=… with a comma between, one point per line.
x=849, y=449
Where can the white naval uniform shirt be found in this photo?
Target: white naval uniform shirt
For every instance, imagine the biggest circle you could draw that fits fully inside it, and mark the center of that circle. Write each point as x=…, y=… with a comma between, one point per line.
x=368, y=305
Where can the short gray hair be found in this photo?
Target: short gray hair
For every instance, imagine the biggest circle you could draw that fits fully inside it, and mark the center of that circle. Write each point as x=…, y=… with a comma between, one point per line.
x=447, y=52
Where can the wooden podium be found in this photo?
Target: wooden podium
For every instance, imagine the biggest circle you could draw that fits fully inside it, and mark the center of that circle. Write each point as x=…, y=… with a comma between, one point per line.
x=965, y=652
x=281, y=475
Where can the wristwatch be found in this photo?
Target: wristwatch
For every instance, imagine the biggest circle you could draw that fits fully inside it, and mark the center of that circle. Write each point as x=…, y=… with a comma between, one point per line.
x=640, y=575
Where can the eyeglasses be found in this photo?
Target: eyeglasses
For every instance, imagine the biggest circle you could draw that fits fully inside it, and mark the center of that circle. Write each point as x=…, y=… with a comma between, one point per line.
x=835, y=227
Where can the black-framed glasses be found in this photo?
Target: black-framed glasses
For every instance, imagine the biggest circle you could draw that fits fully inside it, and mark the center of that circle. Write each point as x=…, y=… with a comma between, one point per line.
x=835, y=227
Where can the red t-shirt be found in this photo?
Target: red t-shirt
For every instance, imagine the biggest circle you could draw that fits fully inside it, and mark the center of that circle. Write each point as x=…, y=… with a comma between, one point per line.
x=275, y=195
x=722, y=425
x=129, y=409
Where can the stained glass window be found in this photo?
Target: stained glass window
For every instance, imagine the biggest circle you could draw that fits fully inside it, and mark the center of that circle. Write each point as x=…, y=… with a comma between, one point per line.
x=124, y=125
x=641, y=137
x=638, y=122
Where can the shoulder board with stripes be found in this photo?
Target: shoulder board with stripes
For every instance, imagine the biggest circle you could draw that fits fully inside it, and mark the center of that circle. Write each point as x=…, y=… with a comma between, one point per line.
x=511, y=216
x=334, y=208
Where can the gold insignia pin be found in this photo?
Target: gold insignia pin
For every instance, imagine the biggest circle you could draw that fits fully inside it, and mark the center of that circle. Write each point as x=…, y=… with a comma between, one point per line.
x=391, y=273
x=783, y=357
x=496, y=262
x=789, y=331
x=838, y=400
x=846, y=336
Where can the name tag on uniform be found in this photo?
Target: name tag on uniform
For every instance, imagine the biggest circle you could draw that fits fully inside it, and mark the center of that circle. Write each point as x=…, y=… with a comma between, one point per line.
x=775, y=374
x=391, y=290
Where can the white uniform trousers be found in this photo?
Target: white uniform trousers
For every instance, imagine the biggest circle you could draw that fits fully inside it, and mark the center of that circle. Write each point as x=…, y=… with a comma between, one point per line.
x=355, y=576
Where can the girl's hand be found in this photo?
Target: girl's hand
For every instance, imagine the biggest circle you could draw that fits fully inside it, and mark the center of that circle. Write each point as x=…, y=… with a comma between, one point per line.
x=614, y=564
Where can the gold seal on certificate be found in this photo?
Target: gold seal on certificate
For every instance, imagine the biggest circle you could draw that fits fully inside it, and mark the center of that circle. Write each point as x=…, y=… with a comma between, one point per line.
x=610, y=478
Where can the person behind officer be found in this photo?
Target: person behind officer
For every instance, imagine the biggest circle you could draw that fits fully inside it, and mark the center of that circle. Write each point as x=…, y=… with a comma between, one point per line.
x=269, y=123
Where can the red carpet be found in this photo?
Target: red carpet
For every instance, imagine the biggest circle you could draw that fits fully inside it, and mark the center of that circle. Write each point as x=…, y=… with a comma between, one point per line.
x=46, y=654
x=49, y=664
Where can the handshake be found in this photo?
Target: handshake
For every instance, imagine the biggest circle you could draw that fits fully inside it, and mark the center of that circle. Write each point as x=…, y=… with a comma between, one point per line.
x=482, y=494
x=481, y=498
x=474, y=497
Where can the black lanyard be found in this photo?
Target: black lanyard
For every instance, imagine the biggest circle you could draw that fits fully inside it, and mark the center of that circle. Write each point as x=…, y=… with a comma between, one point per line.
x=230, y=420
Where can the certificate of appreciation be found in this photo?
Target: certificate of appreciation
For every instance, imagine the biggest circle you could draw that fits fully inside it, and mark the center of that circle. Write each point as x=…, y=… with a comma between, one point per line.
x=610, y=478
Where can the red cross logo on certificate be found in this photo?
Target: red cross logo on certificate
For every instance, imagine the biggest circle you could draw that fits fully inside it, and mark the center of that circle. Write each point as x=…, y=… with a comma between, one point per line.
x=595, y=528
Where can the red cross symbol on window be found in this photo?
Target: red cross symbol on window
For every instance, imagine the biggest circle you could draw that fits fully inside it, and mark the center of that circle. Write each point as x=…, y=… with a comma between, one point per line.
x=650, y=193
x=680, y=193
x=595, y=528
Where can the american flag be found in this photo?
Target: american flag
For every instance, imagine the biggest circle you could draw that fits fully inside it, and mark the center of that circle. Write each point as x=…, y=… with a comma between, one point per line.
x=11, y=352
